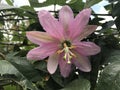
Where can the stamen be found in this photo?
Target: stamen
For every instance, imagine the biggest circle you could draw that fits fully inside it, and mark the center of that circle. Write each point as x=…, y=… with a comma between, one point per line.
x=68, y=54
x=72, y=47
x=72, y=54
x=60, y=51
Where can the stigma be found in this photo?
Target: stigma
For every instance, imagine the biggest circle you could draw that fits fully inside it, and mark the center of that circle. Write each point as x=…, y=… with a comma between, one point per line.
x=68, y=54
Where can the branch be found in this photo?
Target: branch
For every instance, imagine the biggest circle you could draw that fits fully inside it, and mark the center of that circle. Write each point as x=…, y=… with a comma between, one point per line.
x=15, y=19
x=2, y=56
x=8, y=15
x=92, y=14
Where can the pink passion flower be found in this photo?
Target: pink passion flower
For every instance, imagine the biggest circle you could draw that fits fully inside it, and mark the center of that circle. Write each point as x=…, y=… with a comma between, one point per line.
x=62, y=41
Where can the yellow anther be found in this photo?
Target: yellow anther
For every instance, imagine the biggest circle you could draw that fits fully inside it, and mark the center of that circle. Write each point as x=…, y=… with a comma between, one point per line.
x=69, y=62
x=65, y=56
x=72, y=47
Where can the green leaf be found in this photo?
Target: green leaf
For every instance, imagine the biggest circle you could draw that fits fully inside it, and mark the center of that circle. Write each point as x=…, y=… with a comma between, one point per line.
x=11, y=87
x=76, y=5
x=96, y=21
x=116, y=10
x=23, y=71
x=35, y=3
x=1, y=21
x=72, y=1
x=108, y=7
x=113, y=56
x=6, y=68
x=10, y=2
x=112, y=1
x=5, y=6
x=108, y=24
x=58, y=78
x=1, y=35
x=27, y=8
x=78, y=84
x=110, y=77
x=111, y=41
x=95, y=62
x=24, y=66
x=26, y=11
x=117, y=22
x=90, y=3
x=41, y=65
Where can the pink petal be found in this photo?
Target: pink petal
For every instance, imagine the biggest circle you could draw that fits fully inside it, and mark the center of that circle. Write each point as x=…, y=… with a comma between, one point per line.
x=79, y=23
x=42, y=51
x=82, y=63
x=66, y=16
x=52, y=63
x=38, y=37
x=50, y=24
x=65, y=68
x=87, y=31
x=87, y=48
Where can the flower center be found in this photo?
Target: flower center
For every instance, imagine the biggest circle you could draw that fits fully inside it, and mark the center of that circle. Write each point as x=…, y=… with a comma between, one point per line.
x=66, y=48
x=68, y=43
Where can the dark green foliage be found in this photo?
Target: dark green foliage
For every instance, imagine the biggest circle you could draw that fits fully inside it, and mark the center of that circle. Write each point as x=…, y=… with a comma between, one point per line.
x=1, y=36
x=76, y=5
x=110, y=77
x=35, y=3
x=117, y=22
x=116, y=13
x=78, y=84
x=91, y=3
x=35, y=27
x=116, y=8
x=19, y=70
x=107, y=25
x=10, y=2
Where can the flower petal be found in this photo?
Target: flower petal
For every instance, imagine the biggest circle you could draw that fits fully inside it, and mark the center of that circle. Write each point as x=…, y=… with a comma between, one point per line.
x=52, y=63
x=50, y=24
x=66, y=16
x=82, y=63
x=65, y=68
x=42, y=52
x=38, y=37
x=87, y=48
x=79, y=23
x=87, y=31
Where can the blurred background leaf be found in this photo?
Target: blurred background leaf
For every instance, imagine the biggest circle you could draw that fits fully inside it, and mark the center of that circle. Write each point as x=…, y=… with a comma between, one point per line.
x=78, y=84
